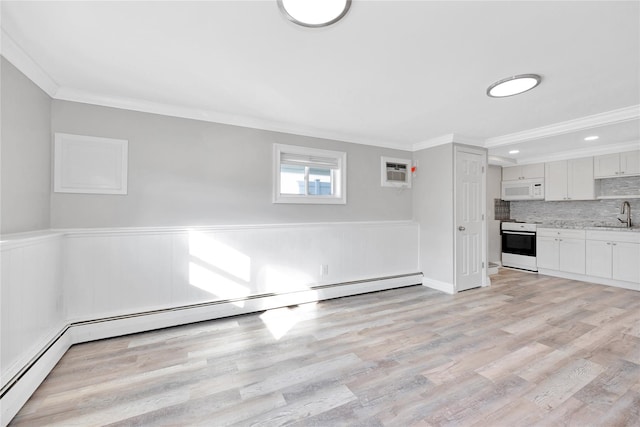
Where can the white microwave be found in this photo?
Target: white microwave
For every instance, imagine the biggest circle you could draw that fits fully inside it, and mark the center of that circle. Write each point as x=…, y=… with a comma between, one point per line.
x=524, y=189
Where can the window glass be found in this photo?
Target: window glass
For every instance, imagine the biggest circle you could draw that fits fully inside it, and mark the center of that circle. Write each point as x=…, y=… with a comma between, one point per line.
x=320, y=182
x=292, y=179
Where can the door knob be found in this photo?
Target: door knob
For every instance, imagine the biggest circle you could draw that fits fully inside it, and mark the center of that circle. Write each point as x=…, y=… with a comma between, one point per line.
x=461, y=228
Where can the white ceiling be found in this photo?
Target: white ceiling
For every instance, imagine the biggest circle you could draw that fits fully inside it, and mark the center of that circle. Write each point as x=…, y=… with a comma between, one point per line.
x=403, y=74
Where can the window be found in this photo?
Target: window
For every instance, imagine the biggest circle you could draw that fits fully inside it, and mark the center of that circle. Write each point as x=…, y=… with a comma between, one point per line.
x=309, y=175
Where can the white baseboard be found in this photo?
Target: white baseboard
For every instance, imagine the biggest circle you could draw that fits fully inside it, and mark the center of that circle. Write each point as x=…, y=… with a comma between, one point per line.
x=438, y=285
x=21, y=387
x=32, y=376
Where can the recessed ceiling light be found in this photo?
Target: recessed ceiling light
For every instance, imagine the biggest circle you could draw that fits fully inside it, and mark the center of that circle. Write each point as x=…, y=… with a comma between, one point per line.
x=591, y=138
x=514, y=151
x=513, y=85
x=314, y=13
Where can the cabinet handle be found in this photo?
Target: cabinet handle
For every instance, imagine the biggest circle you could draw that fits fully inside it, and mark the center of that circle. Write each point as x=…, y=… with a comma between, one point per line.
x=608, y=243
x=614, y=244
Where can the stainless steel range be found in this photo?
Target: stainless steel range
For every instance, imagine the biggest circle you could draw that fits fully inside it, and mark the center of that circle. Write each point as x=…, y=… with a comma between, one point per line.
x=519, y=245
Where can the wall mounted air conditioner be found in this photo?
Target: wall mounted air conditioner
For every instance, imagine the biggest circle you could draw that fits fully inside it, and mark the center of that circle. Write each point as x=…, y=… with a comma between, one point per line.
x=395, y=172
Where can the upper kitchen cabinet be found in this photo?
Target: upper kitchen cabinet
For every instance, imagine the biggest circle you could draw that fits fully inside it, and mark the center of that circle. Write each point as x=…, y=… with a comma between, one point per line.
x=513, y=173
x=570, y=180
x=617, y=164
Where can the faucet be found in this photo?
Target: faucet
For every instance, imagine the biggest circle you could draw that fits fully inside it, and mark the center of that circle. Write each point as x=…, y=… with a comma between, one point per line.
x=626, y=208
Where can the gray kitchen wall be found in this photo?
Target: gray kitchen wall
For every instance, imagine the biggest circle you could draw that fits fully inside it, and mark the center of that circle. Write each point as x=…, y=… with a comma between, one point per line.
x=25, y=151
x=186, y=172
x=494, y=180
x=433, y=209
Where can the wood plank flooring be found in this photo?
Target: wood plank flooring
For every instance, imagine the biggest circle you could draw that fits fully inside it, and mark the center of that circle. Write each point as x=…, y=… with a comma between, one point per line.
x=530, y=350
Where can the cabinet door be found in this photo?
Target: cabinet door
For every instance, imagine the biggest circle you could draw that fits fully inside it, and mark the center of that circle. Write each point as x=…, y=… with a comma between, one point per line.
x=555, y=180
x=511, y=173
x=598, y=258
x=580, y=182
x=607, y=165
x=572, y=259
x=625, y=261
x=547, y=252
x=533, y=171
x=630, y=163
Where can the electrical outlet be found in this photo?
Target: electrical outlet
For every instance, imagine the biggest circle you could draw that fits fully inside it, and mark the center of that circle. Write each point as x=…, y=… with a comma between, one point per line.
x=324, y=269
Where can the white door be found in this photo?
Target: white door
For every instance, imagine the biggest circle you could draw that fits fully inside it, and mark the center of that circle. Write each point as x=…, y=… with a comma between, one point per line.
x=469, y=225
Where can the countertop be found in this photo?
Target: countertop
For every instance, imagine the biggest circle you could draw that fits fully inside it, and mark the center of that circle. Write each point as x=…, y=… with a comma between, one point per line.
x=590, y=225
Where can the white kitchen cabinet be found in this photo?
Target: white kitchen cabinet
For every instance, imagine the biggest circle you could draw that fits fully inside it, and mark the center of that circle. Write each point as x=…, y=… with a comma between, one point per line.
x=617, y=164
x=512, y=173
x=561, y=250
x=599, y=261
x=547, y=252
x=613, y=255
x=625, y=262
x=570, y=180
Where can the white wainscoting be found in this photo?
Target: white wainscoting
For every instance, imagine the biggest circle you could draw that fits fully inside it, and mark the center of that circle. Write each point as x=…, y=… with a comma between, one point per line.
x=115, y=272
x=99, y=283
x=31, y=304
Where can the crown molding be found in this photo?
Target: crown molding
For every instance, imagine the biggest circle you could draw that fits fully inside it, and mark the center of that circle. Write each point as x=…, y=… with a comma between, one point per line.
x=23, y=62
x=447, y=139
x=607, y=118
x=584, y=152
x=433, y=142
x=73, y=95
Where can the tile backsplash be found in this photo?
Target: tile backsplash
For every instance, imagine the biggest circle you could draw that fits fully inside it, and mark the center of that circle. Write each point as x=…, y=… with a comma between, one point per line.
x=585, y=212
x=620, y=186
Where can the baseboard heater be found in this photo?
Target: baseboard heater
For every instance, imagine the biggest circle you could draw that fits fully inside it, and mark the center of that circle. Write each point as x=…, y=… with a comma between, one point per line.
x=166, y=318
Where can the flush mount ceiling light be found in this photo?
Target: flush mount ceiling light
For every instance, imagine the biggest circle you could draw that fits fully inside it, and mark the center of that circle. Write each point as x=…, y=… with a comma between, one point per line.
x=591, y=138
x=314, y=13
x=513, y=85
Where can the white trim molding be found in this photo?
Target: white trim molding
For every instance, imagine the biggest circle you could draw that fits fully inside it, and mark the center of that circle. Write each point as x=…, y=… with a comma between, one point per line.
x=438, y=285
x=447, y=139
x=607, y=118
x=585, y=152
x=23, y=62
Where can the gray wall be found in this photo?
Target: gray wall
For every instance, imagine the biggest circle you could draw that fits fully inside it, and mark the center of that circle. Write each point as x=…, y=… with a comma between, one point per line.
x=494, y=181
x=433, y=209
x=25, y=153
x=189, y=172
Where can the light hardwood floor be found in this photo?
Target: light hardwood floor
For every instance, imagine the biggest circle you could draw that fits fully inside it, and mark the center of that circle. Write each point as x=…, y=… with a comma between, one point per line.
x=528, y=351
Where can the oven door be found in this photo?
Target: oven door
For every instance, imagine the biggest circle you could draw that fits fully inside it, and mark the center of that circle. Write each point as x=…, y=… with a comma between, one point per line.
x=519, y=243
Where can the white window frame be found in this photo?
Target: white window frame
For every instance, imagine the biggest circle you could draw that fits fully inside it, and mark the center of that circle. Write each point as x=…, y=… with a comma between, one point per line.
x=339, y=176
x=384, y=182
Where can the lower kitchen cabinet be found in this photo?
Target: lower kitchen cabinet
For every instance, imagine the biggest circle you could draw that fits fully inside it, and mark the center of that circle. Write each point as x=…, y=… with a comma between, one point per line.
x=613, y=255
x=602, y=256
x=561, y=250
